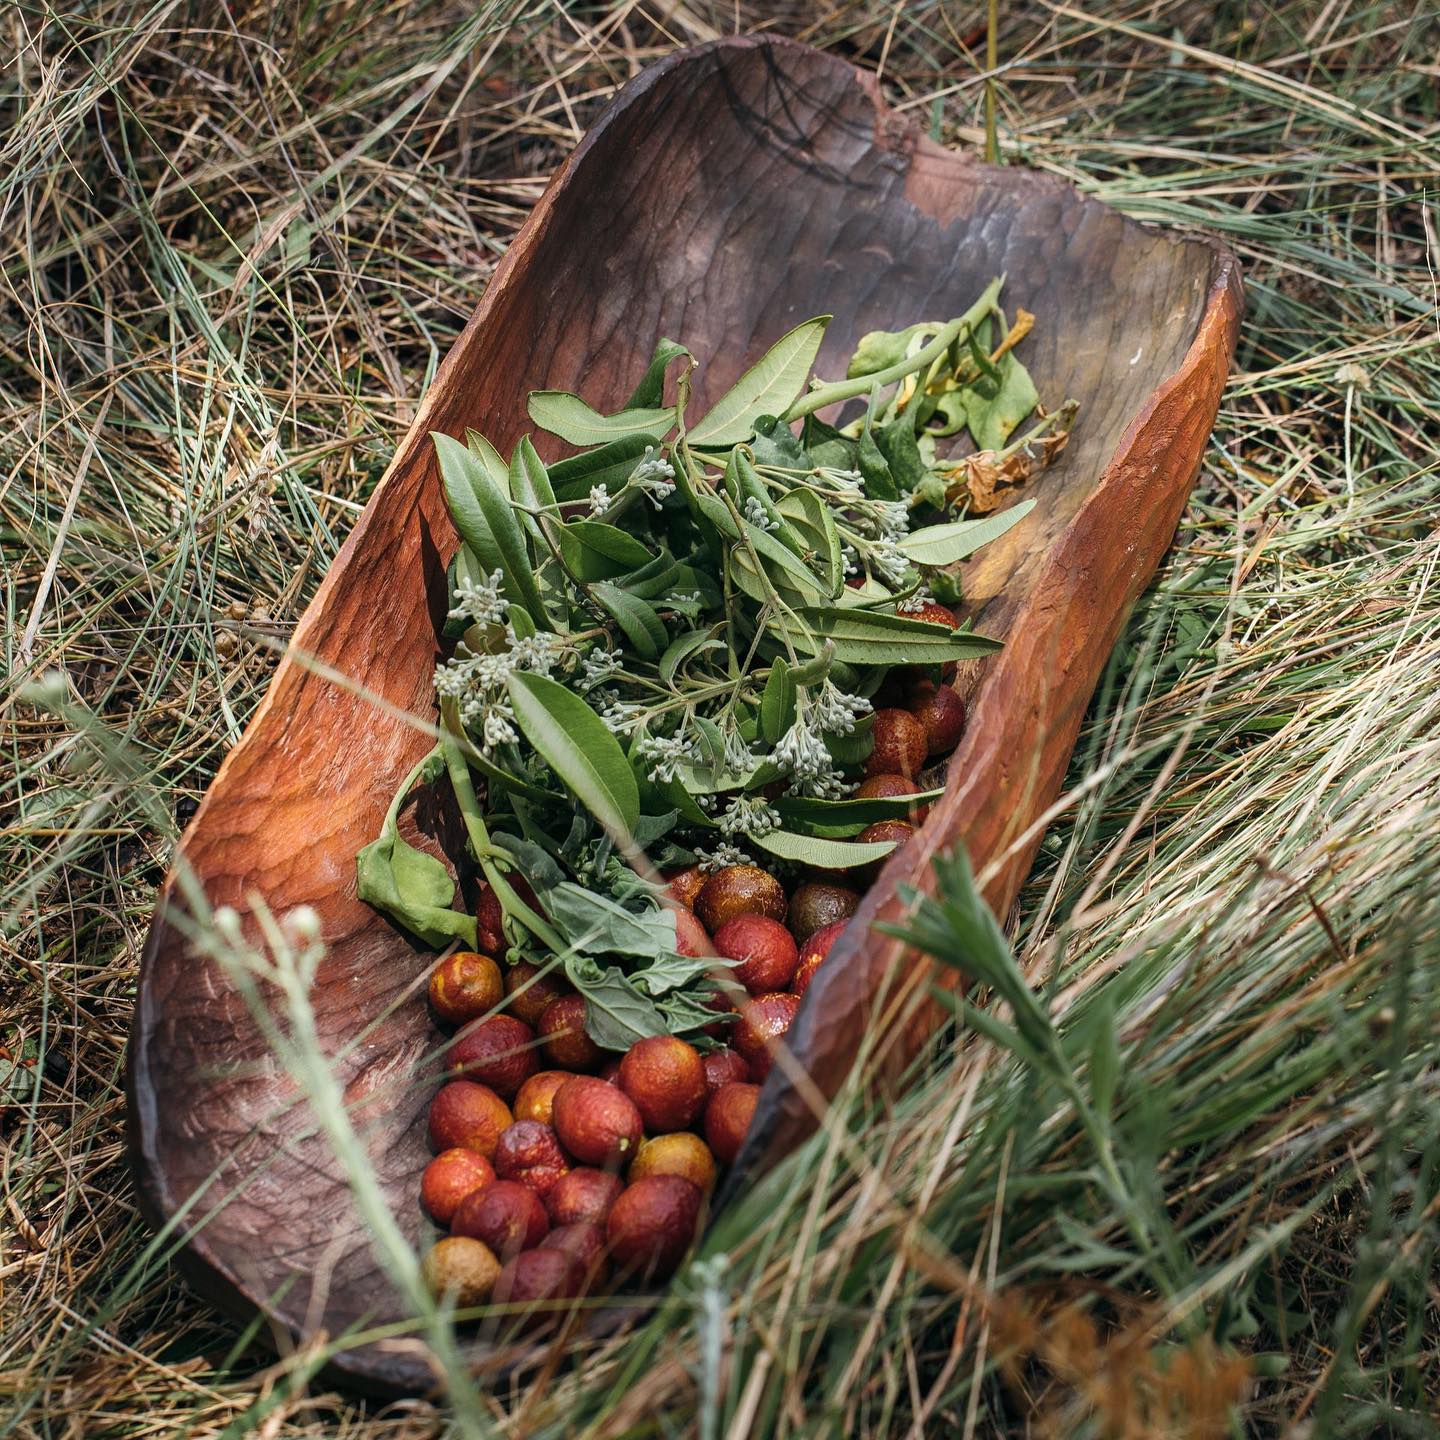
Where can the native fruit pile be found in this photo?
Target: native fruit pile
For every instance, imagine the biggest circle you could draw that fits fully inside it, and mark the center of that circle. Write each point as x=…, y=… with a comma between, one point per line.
x=699, y=691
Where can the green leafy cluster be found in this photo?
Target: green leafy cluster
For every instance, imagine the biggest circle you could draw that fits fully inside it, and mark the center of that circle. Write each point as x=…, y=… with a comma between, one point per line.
x=666, y=645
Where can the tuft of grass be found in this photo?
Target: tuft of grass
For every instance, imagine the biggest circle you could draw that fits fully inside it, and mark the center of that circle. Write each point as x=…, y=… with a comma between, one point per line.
x=1200, y=1195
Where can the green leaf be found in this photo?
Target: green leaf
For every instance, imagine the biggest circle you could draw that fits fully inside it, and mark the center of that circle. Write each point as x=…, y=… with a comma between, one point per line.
x=767, y=388
x=806, y=811
x=576, y=744
x=897, y=443
x=482, y=515
x=777, y=704
x=594, y=550
x=945, y=544
x=993, y=410
x=822, y=854
x=616, y=1013
x=1104, y=1064
x=569, y=417
x=607, y=466
x=774, y=444
x=717, y=512
x=683, y=647
x=876, y=479
x=782, y=564
x=489, y=457
x=529, y=482
x=811, y=516
x=592, y=922
x=862, y=637
x=651, y=389
x=643, y=628
x=413, y=888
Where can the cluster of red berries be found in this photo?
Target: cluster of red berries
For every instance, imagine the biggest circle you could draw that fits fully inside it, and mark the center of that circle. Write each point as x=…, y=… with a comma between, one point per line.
x=552, y=1180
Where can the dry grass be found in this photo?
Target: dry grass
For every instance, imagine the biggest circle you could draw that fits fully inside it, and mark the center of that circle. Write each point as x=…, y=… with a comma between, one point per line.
x=235, y=244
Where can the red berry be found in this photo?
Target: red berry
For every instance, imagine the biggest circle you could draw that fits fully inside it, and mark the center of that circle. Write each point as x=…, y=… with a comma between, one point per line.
x=764, y=948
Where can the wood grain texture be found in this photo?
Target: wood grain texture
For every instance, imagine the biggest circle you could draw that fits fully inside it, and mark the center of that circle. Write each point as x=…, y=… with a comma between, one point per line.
x=728, y=193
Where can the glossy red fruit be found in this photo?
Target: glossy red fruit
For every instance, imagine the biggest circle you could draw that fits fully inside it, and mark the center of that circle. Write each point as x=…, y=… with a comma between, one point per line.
x=665, y=1078
x=724, y=1067
x=900, y=744
x=764, y=948
x=584, y=1242
x=894, y=832
x=536, y=1097
x=498, y=1052
x=597, y=1123
x=763, y=1021
x=464, y=987
x=653, y=1224
x=507, y=1216
x=583, y=1195
x=537, y=1283
x=685, y=885
x=530, y=1153
x=813, y=953
x=449, y=1178
x=530, y=991
x=562, y=1031
x=727, y=1119
x=691, y=937
x=892, y=787
x=469, y=1116
x=941, y=713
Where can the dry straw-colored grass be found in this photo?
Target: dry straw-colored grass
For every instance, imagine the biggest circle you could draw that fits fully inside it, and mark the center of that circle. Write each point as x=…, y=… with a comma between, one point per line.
x=236, y=241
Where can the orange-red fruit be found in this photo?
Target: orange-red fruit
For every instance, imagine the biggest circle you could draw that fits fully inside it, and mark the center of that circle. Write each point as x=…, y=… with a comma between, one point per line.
x=690, y=936
x=665, y=1078
x=723, y=1067
x=466, y=1115
x=449, y=1178
x=897, y=830
x=681, y=1154
x=530, y=993
x=584, y=1242
x=765, y=949
x=818, y=903
x=900, y=744
x=506, y=1215
x=739, y=890
x=537, y=1095
x=597, y=1123
x=886, y=787
x=529, y=1152
x=498, y=1052
x=562, y=1028
x=465, y=986
x=653, y=1225
x=763, y=1020
x=686, y=884
x=813, y=953
x=727, y=1119
x=583, y=1196
x=941, y=713
x=536, y=1281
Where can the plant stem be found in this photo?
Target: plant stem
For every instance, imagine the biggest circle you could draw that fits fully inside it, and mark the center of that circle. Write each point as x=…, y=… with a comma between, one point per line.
x=838, y=390
x=992, y=59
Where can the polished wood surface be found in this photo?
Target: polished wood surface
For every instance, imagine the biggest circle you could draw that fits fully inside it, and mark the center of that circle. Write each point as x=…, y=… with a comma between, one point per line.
x=726, y=194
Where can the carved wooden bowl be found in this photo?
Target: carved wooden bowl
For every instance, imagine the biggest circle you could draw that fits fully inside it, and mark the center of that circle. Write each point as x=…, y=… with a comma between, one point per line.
x=726, y=194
